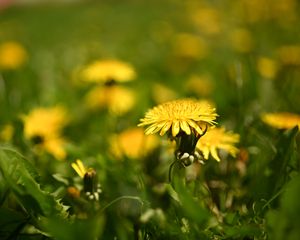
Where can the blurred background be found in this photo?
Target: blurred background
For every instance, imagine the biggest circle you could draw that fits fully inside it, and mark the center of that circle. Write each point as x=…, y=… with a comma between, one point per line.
x=243, y=56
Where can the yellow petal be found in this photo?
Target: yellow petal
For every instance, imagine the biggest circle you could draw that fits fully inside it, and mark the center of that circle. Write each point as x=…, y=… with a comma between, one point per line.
x=81, y=166
x=165, y=128
x=195, y=126
x=185, y=127
x=77, y=170
x=175, y=128
x=214, y=154
x=205, y=152
x=152, y=129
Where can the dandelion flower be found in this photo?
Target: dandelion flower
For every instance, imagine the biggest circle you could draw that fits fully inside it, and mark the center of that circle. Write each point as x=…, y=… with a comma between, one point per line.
x=44, y=121
x=186, y=115
x=91, y=187
x=12, y=55
x=43, y=126
x=132, y=143
x=217, y=139
x=7, y=132
x=241, y=40
x=118, y=100
x=79, y=168
x=267, y=67
x=281, y=120
x=108, y=70
x=289, y=55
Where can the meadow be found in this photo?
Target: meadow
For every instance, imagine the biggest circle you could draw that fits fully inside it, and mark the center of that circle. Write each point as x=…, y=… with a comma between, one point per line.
x=149, y=119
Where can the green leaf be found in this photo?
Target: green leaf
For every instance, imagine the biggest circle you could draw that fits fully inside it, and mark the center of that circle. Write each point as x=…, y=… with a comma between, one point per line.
x=20, y=177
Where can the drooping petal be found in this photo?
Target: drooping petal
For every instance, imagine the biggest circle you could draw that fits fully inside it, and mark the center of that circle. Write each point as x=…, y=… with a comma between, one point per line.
x=165, y=128
x=185, y=127
x=175, y=128
x=214, y=154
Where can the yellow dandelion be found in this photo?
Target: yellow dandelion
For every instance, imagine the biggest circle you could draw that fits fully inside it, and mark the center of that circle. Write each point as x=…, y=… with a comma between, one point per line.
x=118, y=100
x=201, y=85
x=217, y=139
x=12, y=55
x=55, y=146
x=132, y=143
x=43, y=126
x=281, y=120
x=208, y=20
x=44, y=122
x=289, y=55
x=187, y=115
x=108, y=70
x=162, y=93
x=267, y=67
x=190, y=46
x=79, y=168
x=241, y=40
x=7, y=132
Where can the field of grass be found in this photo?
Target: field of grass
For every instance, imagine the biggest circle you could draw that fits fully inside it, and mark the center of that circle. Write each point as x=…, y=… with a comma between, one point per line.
x=150, y=120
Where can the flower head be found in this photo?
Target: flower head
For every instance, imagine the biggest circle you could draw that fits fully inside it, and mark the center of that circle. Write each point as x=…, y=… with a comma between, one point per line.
x=44, y=121
x=108, y=70
x=91, y=187
x=117, y=99
x=281, y=120
x=12, y=55
x=79, y=168
x=43, y=126
x=132, y=143
x=217, y=139
x=186, y=115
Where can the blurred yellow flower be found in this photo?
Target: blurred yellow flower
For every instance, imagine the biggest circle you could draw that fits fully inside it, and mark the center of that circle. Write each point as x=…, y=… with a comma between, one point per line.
x=43, y=126
x=108, y=70
x=117, y=99
x=161, y=93
x=267, y=67
x=208, y=20
x=261, y=10
x=241, y=40
x=217, y=139
x=6, y=133
x=281, y=120
x=79, y=168
x=132, y=143
x=12, y=55
x=187, y=115
x=200, y=85
x=289, y=55
x=44, y=122
x=55, y=146
x=189, y=46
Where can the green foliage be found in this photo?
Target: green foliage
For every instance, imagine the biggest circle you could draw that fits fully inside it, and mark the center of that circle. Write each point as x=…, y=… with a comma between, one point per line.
x=233, y=47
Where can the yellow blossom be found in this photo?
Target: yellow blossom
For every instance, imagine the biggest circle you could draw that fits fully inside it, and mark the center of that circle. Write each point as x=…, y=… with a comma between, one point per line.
x=241, y=40
x=289, y=55
x=108, y=70
x=217, y=139
x=79, y=168
x=189, y=46
x=118, y=100
x=201, y=85
x=208, y=20
x=6, y=133
x=12, y=55
x=44, y=121
x=161, y=93
x=187, y=115
x=132, y=143
x=43, y=126
x=267, y=67
x=281, y=120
